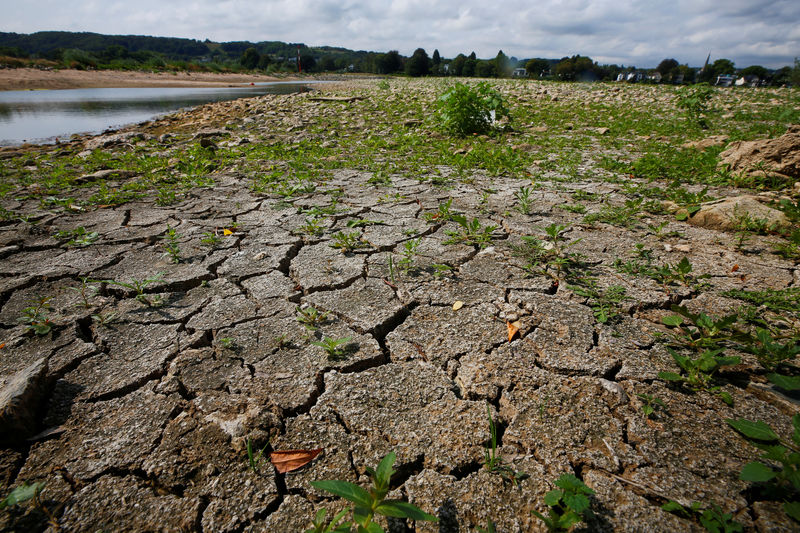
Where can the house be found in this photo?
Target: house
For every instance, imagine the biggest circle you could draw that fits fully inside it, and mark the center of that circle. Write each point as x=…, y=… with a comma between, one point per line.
x=519, y=73
x=726, y=80
x=655, y=77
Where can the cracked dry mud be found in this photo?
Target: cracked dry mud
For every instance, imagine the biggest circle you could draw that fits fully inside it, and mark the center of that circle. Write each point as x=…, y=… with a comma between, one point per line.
x=147, y=416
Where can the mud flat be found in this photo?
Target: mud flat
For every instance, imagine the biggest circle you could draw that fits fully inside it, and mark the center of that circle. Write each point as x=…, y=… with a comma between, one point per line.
x=172, y=269
x=21, y=79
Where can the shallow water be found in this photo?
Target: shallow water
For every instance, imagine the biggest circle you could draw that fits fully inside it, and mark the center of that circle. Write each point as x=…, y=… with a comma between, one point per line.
x=43, y=116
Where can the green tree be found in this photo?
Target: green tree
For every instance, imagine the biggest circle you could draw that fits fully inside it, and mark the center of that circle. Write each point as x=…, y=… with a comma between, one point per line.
x=502, y=65
x=469, y=66
x=418, y=64
x=668, y=69
x=250, y=58
x=457, y=66
x=327, y=63
x=389, y=63
x=307, y=62
x=794, y=76
x=723, y=66
x=486, y=69
x=537, y=67
x=755, y=70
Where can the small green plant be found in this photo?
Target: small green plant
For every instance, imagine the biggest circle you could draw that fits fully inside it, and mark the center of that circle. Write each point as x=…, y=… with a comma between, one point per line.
x=347, y=242
x=493, y=462
x=698, y=373
x=681, y=272
x=650, y=404
x=472, y=232
x=406, y=262
x=254, y=459
x=363, y=222
x=335, y=348
x=138, y=286
x=441, y=270
x=171, y=247
x=573, y=208
x=166, y=196
x=77, y=237
x=780, y=483
x=605, y=304
x=550, y=254
x=35, y=316
x=789, y=247
x=699, y=331
x=711, y=518
x=334, y=526
x=383, y=85
x=311, y=317
x=523, y=196
x=465, y=110
x=226, y=342
x=313, y=226
x=694, y=101
x=211, y=239
x=625, y=215
x=442, y=214
x=568, y=504
x=85, y=291
x=367, y=504
x=32, y=492
x=105, y=319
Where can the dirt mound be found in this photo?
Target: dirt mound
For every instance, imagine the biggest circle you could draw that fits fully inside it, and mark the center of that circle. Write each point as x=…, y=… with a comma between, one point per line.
x=780, y=155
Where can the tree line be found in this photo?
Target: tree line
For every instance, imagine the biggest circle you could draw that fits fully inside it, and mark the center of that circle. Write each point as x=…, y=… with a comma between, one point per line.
x=86, y=50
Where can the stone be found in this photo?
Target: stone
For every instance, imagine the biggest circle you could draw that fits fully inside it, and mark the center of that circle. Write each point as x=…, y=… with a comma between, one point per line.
x=726, y=213
x=20, y=397
x=781, y=154
x=708, y=142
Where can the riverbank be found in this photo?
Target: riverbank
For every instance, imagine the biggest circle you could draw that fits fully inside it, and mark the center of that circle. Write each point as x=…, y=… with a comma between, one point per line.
x=23, y=79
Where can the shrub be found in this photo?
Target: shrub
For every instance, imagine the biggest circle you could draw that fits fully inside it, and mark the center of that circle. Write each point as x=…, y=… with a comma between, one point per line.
x=464, y=109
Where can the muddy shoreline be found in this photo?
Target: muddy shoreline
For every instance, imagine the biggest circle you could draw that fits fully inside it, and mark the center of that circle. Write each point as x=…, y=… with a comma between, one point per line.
x=23, y=79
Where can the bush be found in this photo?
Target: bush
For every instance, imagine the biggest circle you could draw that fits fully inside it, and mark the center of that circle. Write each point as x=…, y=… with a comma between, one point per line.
x=465, y=110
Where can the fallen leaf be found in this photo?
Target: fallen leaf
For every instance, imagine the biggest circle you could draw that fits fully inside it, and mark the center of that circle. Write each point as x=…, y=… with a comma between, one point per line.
x=2, y=346
x=226, y=232
x=513, y=329
x=735, y=268
x=288, y=460
x=458, y=305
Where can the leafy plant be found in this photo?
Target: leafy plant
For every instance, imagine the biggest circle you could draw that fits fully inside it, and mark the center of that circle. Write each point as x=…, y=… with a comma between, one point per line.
x=406, y=262
x=138, y=286
x=568, y=505
x=35, y=316
x=77, y=237
x=472, y=232
x=605, y=304
x=694, y=101
x=680, y=272
x=442, y=213
x=465, y=110
x=170, y=241
x=711, y=518
x=523, y=196
x=549, y=254
x=367, y=504
x=311, y=317
x=334, y=526
x=211, y=239
x=313, y=226
x=85, y=291
x=348, y=242
x=650, y=404
x=335, y=348
x=32, y=492
x=624, y=215
x=782, y=483
x=699, y=331
x=698, y=373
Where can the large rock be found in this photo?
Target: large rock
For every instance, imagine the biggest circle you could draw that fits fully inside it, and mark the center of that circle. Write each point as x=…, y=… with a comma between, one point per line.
x=727, y=214
x=781, y=155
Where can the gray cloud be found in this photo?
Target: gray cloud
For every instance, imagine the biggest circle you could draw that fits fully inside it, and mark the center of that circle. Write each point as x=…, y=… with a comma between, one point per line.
x=630, y=32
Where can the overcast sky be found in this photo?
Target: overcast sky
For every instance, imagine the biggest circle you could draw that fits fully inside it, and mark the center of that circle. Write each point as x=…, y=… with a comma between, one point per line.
x=629, y=32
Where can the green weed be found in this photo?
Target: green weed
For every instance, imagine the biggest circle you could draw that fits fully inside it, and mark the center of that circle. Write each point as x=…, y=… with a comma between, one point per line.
x=34, y=317
x=367, y=504
x=335, y=348
x=568, y=504
x=711, y=518
x=348, y=242
x=472, y=233
x=311, y=317
x=170, y=242
x=465, y=110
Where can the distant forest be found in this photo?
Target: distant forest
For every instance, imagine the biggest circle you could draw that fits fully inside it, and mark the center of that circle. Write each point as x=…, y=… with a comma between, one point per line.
x=57, y=49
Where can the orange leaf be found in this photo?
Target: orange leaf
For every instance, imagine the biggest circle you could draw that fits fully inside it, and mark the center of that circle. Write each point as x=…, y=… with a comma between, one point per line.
x=513, y=328
x=288, y=460
x=735, y=268
x=2, y=346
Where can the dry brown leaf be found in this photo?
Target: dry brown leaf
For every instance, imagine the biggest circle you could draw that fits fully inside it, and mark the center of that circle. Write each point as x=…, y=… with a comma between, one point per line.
x=513, y=329
x=458, y=305
x=735, y=268
x=288, y=460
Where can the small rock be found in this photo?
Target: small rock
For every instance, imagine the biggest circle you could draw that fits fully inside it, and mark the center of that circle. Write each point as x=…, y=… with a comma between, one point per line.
x=725, y=214
x=602, y=131
x=538, y=129
x=19, y=401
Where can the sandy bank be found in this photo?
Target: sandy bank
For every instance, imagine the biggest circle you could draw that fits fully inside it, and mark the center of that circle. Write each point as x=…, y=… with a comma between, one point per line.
x=26, y=78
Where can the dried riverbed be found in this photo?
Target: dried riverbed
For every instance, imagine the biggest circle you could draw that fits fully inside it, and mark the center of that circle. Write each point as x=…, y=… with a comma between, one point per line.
x=135, y=411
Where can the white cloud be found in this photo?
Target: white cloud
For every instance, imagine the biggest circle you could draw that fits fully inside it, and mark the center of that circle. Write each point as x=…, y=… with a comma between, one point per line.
x=639, y=32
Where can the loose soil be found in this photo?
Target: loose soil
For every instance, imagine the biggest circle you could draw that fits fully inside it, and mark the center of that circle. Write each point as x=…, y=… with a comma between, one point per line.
x=136, y=411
